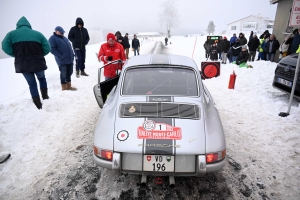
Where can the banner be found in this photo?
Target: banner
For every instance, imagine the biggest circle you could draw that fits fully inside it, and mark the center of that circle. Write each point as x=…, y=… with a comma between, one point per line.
x=249, y=26
x=295, y=15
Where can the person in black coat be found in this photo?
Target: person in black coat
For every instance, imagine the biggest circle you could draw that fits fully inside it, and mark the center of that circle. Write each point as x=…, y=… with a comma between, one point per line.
x=166, y=41
x=253, y=45
x=236, y=49
x=243, y=56
x=207, y=47
x=127, y=45
x=265, y=35
x=225, y=49
x=79, y=37
x=242, y=38
x=214, y=52
x=251, y=35
x=271, y=47
x=135, y=45
x=296, y=41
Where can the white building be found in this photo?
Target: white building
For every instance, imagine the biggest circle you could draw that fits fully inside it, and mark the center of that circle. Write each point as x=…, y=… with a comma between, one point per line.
x=253, y=23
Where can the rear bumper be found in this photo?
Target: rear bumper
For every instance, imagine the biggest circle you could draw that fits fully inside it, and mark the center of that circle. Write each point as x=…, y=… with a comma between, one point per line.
x=200, y=167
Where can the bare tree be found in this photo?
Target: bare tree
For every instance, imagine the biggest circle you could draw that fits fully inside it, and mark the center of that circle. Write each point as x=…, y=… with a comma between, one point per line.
x=169, y=17
x=210, y=28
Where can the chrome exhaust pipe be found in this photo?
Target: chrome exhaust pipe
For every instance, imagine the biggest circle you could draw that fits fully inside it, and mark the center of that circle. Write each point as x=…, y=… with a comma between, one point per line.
x=171, y=181
x=143, y=180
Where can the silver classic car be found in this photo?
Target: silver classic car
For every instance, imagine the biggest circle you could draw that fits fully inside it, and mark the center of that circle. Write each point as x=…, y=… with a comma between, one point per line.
x=159, y=119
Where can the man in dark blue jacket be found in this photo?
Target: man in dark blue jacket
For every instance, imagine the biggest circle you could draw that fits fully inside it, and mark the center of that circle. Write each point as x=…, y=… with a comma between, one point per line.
x=296, y=41
x=79, y=37
x=271, y=47
x=64, y=56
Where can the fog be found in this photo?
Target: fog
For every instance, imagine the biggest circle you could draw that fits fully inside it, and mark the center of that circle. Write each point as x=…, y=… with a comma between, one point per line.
x=130, y=16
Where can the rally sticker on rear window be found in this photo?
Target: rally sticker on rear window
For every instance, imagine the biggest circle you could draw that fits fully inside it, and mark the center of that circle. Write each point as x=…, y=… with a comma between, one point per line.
x=160, y=131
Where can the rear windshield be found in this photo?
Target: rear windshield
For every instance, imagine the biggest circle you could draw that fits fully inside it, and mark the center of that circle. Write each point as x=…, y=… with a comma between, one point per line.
x=160, y=81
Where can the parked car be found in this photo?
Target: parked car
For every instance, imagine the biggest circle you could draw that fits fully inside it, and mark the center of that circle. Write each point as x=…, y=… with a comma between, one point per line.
x=284, y=75
x=158, y=118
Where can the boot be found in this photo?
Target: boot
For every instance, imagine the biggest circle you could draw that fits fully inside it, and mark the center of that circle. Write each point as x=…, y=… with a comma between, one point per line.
x=83, y=73
x=37, y=102
x=64, y=86
x=44, y=92
x=77, y=74
x=69, y=87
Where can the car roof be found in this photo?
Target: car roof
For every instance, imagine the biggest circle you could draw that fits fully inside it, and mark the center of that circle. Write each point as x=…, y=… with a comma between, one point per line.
x=161, y=59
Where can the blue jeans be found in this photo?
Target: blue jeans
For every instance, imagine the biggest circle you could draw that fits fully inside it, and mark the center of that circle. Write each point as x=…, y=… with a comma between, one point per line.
x=65, y=73
x=270, y=56
x=30, y=78
x=136, y=50
x=234, y=58
x=80, y=59
x=262, y=55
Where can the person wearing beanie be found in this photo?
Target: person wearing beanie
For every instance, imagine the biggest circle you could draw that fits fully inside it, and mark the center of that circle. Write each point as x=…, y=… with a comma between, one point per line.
x=29, y=47
x=79, y=37
x=110, y=51
x=64, y=57
x=243, y=56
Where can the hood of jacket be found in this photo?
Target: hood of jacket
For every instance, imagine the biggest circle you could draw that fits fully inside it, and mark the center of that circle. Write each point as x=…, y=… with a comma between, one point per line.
x=23, y=22
x=79, y=21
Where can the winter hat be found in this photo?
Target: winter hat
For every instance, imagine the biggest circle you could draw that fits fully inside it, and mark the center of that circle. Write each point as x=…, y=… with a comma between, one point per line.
x=60, y=29
x=225, y=37
x=110, y=36
x=244, y=47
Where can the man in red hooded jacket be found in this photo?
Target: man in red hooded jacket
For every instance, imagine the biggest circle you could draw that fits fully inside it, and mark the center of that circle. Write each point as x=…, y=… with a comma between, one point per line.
x=111, y=51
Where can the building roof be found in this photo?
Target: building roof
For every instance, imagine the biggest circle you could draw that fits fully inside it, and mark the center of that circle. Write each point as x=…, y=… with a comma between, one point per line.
x=257, y=16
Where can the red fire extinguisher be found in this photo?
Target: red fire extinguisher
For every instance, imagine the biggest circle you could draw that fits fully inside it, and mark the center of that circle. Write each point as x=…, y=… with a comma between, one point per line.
x=232, y=80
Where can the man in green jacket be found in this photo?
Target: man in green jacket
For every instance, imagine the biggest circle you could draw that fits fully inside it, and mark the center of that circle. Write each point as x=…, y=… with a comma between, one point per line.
x=29, y=48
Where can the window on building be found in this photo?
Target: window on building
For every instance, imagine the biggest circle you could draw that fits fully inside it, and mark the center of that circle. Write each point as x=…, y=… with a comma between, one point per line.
x=270, y=26
x=233, y=27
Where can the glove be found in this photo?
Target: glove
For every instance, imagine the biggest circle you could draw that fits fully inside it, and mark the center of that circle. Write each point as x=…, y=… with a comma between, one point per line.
x=238, y=62
x=280, y=52
x=139, y=48
x=109, y=58
x=132, y=49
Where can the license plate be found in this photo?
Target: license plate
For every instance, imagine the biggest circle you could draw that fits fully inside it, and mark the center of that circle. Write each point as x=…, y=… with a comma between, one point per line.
x=285, y=82
x=158, y=163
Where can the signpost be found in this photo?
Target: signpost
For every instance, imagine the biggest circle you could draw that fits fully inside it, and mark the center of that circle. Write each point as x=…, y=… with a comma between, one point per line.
x=295, y=16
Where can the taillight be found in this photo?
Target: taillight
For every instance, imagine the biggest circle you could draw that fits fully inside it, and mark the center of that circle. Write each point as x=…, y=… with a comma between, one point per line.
x=102, y=153
x=215, y=157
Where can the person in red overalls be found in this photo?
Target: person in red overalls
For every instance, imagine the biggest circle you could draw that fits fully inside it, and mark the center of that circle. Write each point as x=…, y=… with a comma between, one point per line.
x=110, y=51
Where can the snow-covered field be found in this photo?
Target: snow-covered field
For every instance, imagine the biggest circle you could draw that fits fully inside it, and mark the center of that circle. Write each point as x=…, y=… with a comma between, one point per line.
x=263, y=148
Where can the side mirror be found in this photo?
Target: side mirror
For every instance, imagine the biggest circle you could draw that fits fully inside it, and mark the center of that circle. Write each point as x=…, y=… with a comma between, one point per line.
x=98, y=96
x=210, y=69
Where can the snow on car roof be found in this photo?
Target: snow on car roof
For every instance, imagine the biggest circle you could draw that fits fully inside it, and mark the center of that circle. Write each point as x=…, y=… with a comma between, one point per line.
x=163, y=59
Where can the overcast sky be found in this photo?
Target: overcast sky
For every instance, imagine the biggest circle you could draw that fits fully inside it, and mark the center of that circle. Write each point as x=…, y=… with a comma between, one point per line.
x=127, y=15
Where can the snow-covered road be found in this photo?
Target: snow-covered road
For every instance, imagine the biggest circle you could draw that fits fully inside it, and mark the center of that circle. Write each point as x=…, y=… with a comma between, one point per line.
x=52, y=148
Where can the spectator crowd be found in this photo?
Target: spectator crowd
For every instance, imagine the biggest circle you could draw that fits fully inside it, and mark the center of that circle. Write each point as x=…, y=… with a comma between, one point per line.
x=240, y=50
